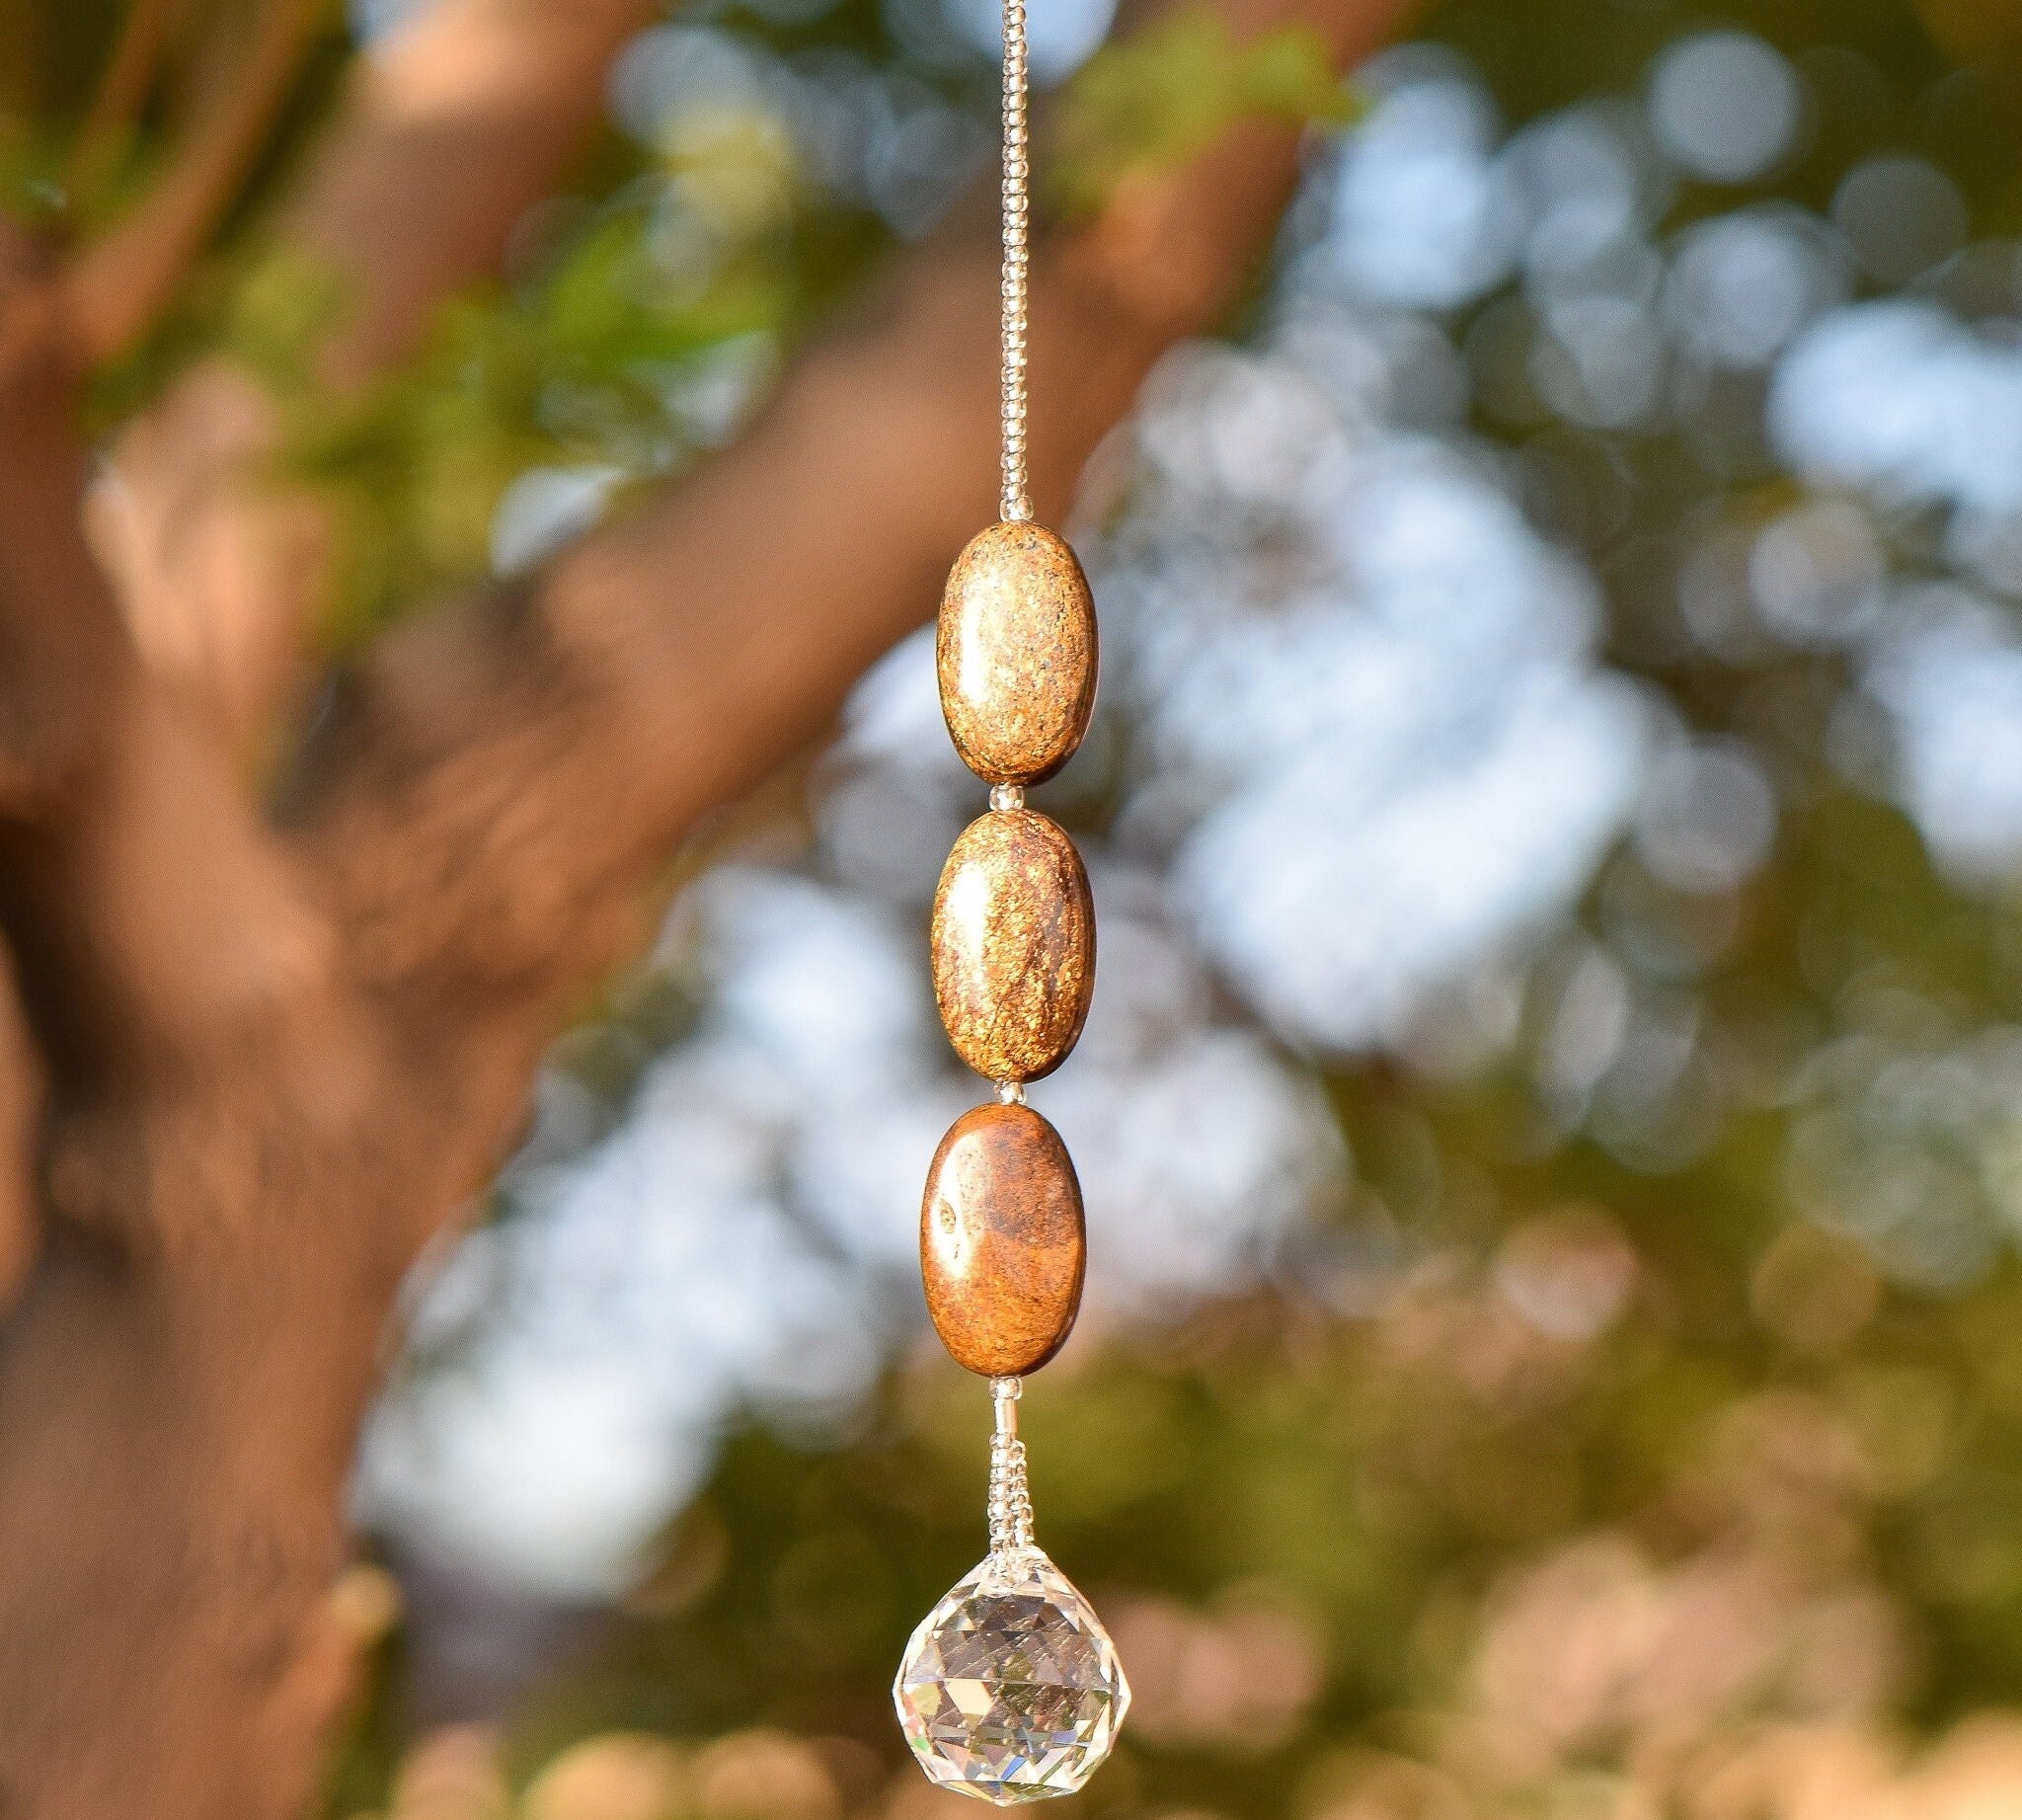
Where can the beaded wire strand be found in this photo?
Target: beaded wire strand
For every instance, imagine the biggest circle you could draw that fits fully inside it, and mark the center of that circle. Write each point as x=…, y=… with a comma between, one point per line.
x=1015, y=504
x=1010, y=1500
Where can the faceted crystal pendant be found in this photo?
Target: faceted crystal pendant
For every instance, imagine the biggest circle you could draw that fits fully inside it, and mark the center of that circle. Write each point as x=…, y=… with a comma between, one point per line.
x=1010, y=1689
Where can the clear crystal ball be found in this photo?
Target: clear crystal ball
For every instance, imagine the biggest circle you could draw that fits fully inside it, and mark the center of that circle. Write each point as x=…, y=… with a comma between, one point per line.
x=1010, y=1689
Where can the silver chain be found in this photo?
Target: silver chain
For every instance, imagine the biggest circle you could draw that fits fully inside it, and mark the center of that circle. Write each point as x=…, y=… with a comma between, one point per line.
x=1015, y=503
x=1010, y=1500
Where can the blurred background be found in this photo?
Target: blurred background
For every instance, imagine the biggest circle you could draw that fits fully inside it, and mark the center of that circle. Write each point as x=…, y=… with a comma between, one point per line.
x=1552, y=1116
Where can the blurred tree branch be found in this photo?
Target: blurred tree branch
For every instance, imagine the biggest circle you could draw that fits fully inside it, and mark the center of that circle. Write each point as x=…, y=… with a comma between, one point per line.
x=120, y=93
x=122, y=281
x=278, y=1062
x=458, y=121
x=455, y=124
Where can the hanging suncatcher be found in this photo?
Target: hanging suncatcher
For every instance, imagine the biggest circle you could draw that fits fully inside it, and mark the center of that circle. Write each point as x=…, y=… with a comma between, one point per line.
x=1010, y=1689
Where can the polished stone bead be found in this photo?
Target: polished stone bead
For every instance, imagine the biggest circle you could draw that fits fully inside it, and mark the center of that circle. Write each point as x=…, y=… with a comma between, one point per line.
x=1016, y=651
x=1002, y=1243
x=1010, y=1689
x=1014, y=945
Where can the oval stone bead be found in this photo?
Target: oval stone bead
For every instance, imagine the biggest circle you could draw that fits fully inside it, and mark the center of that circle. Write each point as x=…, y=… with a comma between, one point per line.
x=1002, y=1242
x=1016, y=652
x=1014, y=945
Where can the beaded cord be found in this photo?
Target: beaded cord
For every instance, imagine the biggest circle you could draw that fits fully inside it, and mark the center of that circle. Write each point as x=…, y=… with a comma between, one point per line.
x=1010, y=1499
x=1015, y=504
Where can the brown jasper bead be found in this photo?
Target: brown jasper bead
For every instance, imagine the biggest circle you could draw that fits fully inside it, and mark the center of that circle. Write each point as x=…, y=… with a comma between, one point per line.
x=1016, y=652
x=1002, y=1245
x=1013, y=941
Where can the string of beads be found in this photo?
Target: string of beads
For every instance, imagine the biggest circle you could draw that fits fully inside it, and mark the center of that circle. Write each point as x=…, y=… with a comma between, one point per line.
x=1015, y=504
x=1010, y=1500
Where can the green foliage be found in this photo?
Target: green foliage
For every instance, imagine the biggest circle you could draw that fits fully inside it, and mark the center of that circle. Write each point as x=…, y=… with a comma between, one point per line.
x=578, y=369
x=279, y=315
x=601, y=357
x=1153, y=101
x=31, y=166
x=607, y=356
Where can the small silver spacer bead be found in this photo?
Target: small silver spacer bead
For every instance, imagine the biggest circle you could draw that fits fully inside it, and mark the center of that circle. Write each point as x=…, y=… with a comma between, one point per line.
x=1007, y=796
x=1010, y=1093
